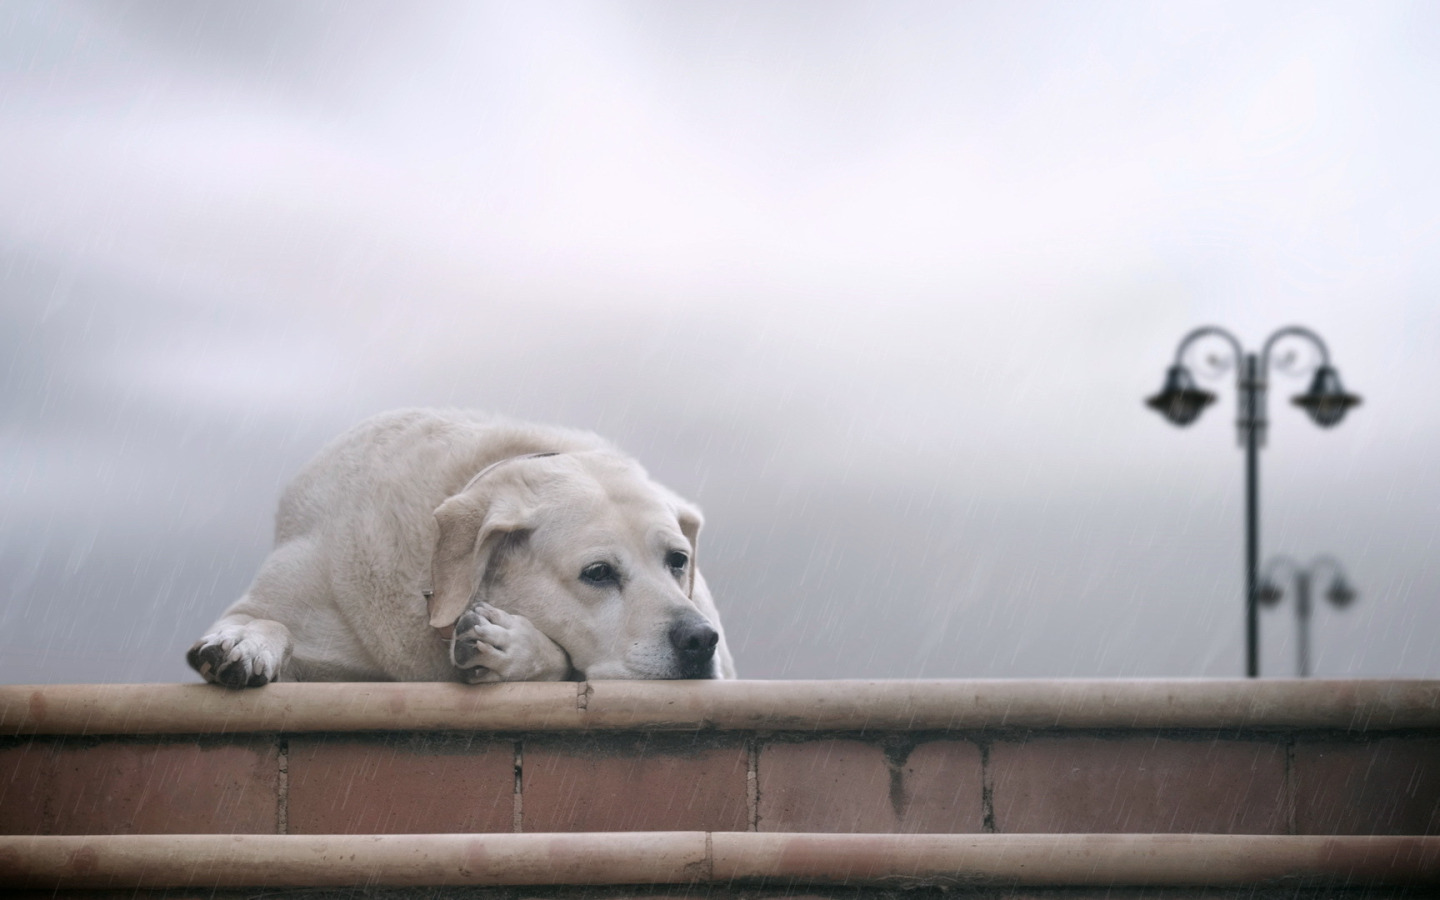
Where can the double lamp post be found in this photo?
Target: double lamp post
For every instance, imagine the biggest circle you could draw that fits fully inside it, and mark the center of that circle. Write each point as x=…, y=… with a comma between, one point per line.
x=1303, y=578
x=1181, y=401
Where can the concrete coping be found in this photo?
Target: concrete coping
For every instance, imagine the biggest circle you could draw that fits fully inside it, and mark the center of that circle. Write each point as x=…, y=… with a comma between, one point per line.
x=1109, y=860
x=850, y=706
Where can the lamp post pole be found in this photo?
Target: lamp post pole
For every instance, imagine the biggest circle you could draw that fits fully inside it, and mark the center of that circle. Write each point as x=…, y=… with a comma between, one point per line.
x=1302, y=623
x=1181, y=402
x=1250, y=425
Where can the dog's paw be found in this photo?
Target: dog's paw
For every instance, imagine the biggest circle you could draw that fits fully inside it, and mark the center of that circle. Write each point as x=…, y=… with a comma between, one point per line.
x=236, y=657
x=493, y=645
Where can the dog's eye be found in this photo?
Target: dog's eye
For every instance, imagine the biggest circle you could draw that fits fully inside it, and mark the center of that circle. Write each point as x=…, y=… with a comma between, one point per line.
x=599, y=574
x=676, y=560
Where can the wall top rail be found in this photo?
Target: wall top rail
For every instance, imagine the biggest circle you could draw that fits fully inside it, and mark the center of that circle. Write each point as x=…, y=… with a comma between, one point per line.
x=1353, y=705
x=1109, y=860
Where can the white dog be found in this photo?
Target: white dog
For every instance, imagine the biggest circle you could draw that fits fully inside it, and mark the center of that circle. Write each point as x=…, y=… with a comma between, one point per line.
x=439, y=546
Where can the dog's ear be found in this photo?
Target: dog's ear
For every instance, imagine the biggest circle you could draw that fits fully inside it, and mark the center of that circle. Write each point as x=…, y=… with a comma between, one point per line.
x=690, y=522
x=472, y=524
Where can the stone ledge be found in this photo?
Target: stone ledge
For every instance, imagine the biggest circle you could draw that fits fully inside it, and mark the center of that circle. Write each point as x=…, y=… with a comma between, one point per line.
x=1218, y=757
x=255, y=861
x=851, y=706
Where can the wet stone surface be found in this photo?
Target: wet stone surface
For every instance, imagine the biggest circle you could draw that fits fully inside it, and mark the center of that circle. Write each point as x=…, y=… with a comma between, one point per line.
x=201, y=785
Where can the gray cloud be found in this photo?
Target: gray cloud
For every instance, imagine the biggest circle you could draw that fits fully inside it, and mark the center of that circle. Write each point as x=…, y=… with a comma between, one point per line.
x=880, y=286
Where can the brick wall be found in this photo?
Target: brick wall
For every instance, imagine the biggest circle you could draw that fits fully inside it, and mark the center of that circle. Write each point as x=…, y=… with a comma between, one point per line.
x=1143, y=780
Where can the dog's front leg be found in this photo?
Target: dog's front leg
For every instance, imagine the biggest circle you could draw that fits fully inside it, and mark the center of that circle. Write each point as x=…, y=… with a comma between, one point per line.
x=493, y=645
x=242, y=651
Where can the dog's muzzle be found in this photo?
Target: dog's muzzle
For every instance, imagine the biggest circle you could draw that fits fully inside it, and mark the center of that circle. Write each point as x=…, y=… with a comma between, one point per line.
x=694, y=641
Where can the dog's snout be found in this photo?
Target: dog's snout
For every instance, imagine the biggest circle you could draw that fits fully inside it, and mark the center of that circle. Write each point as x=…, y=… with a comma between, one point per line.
x=694, y=642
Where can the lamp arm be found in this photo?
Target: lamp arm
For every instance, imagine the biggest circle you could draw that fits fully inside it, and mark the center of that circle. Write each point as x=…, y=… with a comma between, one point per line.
x=1325, y=564
x=1292, y=331
x=1205, y=331
x=1279, y=569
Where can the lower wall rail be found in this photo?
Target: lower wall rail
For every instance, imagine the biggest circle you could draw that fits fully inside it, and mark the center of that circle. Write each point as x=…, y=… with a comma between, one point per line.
x=55, y=862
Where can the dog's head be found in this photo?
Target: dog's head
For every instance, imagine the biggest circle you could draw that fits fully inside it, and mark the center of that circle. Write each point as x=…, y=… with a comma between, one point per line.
x=600, y=558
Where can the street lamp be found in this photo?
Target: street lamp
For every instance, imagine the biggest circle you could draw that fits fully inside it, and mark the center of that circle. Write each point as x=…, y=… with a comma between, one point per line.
x=1181, y=402
x=1272, y=590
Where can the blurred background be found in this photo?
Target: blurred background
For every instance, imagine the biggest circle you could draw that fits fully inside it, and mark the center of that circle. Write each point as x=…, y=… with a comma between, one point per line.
x=881, y=286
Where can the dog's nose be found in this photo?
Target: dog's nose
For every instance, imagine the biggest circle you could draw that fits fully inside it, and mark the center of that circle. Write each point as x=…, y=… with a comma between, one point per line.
x=694, y=642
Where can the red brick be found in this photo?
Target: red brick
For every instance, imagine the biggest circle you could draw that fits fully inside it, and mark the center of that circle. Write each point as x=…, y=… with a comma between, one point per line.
x=1144, y=785
x=943, y=789
x=827, y=786
x=1385, y=786
x=161, y=786
x=654, y=783
x=401, y=784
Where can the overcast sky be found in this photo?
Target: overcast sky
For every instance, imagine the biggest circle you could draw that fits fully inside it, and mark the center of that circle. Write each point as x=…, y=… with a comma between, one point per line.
x=880, y=285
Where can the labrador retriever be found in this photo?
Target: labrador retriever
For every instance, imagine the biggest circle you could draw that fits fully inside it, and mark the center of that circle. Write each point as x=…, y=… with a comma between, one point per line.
x=427, y=545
